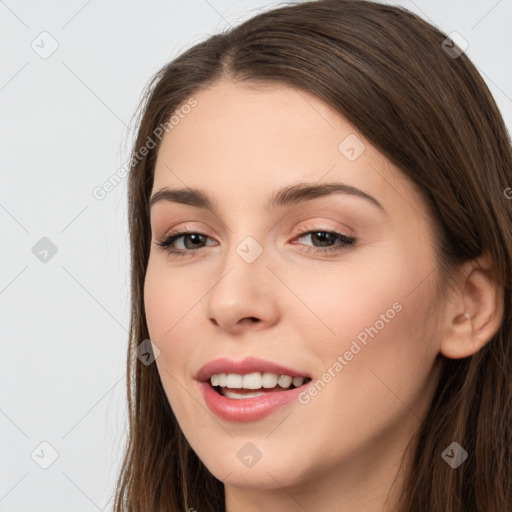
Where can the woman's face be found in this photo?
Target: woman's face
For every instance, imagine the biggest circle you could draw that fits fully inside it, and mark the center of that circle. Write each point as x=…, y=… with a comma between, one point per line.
x=356, y=313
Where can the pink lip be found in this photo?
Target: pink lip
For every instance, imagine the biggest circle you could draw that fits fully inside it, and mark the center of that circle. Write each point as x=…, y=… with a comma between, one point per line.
x=247, y=365
x=247, y=409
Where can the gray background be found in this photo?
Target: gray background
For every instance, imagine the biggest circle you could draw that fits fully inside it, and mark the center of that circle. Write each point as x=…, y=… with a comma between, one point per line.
x=65, y=129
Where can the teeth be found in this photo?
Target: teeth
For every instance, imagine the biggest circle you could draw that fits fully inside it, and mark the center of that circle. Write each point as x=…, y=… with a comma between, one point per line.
x=298, y=381
x=255, y=380
x=284, y=381
x=234, y=381
x=252, y=381
x=238, y=396
x=269, y=380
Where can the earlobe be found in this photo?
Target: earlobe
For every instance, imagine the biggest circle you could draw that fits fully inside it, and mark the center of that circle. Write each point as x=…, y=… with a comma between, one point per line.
x=476, y=313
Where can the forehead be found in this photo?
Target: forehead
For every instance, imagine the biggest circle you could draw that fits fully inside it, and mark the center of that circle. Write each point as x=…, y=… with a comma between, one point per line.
x=243, y=141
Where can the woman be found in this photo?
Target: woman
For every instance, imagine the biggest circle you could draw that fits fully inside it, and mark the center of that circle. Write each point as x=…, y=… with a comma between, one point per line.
x=321, y=249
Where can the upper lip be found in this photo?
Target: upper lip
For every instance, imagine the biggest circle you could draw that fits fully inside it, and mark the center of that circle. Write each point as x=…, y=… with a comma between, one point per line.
x=247, y=365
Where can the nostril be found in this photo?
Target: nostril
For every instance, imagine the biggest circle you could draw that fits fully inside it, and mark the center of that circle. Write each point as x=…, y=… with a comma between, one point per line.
x=250, y=319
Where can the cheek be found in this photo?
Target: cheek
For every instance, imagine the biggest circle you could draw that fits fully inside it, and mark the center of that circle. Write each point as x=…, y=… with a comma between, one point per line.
x=169, y=301
x=384, y=336
x=174, y=308
x=376, y=317
x=340, y=303
x=377, y=367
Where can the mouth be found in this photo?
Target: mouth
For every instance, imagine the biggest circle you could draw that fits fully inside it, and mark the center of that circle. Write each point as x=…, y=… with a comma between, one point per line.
x=250, y=389
x=242, y=405
x=252, y=385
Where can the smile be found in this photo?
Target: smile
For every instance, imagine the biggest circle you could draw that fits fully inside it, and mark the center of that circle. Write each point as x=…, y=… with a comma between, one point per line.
x=251, y=385
x=241, y=405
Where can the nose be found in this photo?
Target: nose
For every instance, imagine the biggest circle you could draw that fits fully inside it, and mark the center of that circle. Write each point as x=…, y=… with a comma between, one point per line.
x=243, y=295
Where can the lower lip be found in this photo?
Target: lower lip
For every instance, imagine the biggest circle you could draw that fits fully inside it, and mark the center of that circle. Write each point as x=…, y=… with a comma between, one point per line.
x=247, y=409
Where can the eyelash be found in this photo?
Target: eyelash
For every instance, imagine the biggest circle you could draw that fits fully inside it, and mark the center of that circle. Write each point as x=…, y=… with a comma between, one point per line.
x=172, y=236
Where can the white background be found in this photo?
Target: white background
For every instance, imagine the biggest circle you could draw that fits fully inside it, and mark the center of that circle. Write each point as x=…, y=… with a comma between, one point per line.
x=65, y=129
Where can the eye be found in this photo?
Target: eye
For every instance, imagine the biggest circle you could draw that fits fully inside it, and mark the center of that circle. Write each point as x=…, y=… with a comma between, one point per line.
x=326, y=240
x=196, y=240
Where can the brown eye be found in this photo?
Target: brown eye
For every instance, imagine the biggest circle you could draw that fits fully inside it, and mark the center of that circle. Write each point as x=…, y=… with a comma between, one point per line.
x=326, y=240
x=192, y=242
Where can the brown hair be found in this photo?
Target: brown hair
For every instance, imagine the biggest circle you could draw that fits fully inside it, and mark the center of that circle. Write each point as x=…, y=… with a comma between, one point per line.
x=431, y=114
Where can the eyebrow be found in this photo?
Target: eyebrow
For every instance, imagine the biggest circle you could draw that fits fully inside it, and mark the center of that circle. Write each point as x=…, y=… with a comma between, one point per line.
x=291, y=194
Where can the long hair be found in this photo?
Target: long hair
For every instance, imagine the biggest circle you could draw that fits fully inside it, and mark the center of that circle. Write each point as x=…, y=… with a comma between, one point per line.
x=430, y=113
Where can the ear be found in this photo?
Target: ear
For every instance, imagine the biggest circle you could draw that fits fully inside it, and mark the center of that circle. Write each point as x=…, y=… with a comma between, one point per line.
x=474, y=312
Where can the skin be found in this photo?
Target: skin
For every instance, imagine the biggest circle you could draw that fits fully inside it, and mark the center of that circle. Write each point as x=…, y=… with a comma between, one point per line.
x=341, y=451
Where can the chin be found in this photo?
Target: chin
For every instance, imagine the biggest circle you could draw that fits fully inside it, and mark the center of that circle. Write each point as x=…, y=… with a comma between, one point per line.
x=273, y=473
